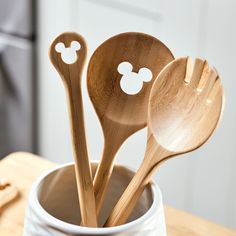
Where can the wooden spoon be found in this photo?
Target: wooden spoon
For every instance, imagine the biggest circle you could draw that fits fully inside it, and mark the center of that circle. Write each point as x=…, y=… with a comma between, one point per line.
x=123, y=58
x=63, y=54
x=185, y=106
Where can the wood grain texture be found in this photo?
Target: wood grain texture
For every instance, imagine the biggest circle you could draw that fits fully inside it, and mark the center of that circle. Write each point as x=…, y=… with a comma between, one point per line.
x=185, y=106
x=71, y=76
x=121, y=114
x=20, y=169
x=23, y=168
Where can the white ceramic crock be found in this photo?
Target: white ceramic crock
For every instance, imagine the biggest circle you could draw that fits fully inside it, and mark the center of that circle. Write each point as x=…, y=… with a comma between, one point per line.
x=53, y=208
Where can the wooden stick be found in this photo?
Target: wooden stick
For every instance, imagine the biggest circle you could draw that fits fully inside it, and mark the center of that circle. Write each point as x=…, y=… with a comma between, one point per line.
x=71, y=75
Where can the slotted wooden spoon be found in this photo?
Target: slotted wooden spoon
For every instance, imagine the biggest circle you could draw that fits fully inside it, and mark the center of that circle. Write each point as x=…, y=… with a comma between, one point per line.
x=121, y=114
x=185, y=107
x=71, y=76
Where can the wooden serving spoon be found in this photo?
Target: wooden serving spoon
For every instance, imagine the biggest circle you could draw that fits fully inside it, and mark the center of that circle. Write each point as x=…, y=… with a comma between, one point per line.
x=134, y=58
x=67, y=53
x=185, y=107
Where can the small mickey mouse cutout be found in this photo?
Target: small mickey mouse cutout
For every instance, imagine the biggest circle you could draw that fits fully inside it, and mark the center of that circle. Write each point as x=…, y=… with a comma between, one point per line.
x=68, y=55
x=132, y=82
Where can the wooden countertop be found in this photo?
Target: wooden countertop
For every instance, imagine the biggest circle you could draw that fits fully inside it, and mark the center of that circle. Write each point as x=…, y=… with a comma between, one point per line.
x=23, y=168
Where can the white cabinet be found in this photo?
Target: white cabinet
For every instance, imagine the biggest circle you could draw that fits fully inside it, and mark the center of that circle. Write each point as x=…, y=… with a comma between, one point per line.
x=203, y=182
x=214, y=176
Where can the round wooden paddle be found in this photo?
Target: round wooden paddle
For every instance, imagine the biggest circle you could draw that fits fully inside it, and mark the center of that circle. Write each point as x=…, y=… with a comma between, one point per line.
x=132, y=59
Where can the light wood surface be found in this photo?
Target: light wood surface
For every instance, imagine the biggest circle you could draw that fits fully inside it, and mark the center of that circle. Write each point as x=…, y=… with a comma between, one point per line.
x=71, y=76
x=185, y=107
x=122, y=114
x=23, y=168
x=20, y=169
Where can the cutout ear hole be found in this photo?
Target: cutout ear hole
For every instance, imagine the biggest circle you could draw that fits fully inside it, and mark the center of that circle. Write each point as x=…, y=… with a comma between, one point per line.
x=68, y=54
x=60, y=47
x=124, y=68
x=75, y=45
x=145, y=74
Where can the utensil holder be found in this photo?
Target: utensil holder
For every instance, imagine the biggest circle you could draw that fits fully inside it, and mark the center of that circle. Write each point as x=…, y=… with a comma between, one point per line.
x=53, y=207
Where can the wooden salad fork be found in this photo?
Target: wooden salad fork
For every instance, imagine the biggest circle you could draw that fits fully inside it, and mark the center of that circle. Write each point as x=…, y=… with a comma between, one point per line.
x=185, y=107
x=67, y=53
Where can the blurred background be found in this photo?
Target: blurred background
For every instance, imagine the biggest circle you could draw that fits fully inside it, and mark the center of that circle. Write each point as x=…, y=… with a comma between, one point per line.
x=33, y=112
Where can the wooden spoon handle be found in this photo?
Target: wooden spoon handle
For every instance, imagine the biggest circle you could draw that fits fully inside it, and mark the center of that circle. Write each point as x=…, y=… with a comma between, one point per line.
x=128, y=200
x=103, y=174
x=131, y=195
x=71, y=76
x=82, y=166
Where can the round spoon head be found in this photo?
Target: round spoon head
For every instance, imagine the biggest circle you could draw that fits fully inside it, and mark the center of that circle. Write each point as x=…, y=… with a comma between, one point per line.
x=68, y=53
x=185, y=106
x=120, y=75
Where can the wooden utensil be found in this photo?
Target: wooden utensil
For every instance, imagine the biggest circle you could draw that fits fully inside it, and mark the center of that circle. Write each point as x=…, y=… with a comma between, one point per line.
x=67, y=53
x=185, y=106
x=132, y=58
x=8, y=192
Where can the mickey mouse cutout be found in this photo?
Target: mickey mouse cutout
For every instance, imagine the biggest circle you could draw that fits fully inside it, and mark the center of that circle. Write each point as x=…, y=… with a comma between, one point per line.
x=132, y=82
x=68, y=54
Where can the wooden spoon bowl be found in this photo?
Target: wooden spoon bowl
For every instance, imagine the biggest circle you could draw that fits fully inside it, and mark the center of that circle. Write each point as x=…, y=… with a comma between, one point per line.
x=185, y=109
x=110, y=101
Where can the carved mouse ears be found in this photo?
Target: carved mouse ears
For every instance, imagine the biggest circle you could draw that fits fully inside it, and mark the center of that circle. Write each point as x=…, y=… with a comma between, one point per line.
x=74, y=45
x=125, y=68
x=145, y=74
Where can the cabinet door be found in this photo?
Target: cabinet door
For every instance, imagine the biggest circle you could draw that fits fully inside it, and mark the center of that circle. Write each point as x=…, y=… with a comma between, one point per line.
x=191, y=28
x=202, y=182
x=16, y=95
x=16, y=17
x=2, y=116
